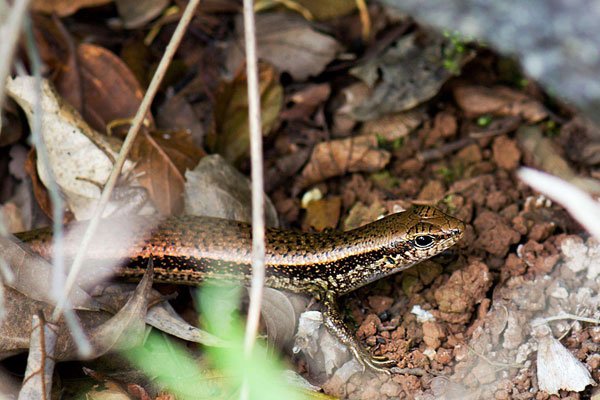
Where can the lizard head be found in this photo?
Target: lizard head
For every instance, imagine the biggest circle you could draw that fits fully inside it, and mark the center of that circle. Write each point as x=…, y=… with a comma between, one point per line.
x=417, y=234
x=430, y=231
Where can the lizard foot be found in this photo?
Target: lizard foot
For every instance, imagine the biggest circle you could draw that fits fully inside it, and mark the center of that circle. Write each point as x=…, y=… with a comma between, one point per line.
x=374, y=363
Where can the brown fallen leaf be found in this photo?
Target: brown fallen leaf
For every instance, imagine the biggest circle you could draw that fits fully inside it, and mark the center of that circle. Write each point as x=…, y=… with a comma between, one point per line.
x=360, y=214
x=63, y=8
x=322, y=10
x=338, y=157
x=500, y=101
x=162, y=160
x=177, y=112
x=100, y=86
x=230, y=133
x=391, y=127
x=288, y=42
x=39, y=190
x=322, y=214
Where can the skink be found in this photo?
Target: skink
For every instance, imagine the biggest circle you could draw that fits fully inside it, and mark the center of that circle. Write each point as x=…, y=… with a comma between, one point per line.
x=188, y=250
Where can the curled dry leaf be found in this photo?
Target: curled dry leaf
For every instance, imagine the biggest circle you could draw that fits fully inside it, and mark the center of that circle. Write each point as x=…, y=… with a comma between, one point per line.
x=288, y=42
x=229, y=196
x=230, y=136
x=408, y=73
x=77, y=154
x=500, y=101
x=338, y=157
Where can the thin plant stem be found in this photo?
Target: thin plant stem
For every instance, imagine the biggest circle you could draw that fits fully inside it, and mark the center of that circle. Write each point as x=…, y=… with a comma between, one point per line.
x=258, y=217
x=10, y=32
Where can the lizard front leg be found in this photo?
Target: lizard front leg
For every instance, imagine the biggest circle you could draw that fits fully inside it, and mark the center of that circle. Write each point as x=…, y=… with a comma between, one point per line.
x=336, y=326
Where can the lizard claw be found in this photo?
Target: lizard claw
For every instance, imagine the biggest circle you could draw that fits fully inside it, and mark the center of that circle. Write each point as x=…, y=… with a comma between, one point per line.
x=374, y=363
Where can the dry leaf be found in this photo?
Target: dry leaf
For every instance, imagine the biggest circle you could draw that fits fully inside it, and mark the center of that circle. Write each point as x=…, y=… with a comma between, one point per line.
x=391, y=127
x=230, y=136
x=162, y=160
x=33, y=274
x=39, y=190
x=63, y=8
x=177, y=113
x=77, y=155
x=323, y=214
x=338, y=157
x=229, y=196
x=361, y=214
x=164, y=318
x=408, y=73
x=289, y=43
x=11, y=127
x=135, y=13
x=107, y=332
x=37, y=382
x=322, y=10
x=557, y=368
x=285, y=167
x=547, y=157
x=500, y=101
x=126, y=328
x=100, y=86
x=280, y=312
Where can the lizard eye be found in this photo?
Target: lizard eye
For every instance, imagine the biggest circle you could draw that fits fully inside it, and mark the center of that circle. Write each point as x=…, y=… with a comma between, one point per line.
x=424, y=242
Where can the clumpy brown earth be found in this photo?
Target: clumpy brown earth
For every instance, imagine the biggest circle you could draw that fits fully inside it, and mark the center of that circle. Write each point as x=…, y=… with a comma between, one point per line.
x=482, y=298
